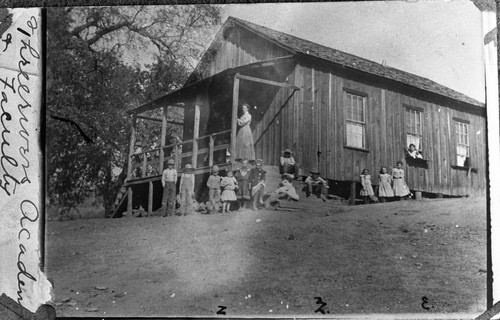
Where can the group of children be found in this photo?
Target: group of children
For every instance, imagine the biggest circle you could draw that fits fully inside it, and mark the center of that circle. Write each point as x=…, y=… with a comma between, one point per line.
x=246, y=186
x=390, y=185
x=229, y=184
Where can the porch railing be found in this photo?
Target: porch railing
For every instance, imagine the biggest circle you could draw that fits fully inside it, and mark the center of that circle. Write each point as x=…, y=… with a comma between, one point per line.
x=147, y=163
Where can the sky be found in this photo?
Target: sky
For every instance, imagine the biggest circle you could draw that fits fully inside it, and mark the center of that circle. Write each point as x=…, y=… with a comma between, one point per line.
x=439, y=40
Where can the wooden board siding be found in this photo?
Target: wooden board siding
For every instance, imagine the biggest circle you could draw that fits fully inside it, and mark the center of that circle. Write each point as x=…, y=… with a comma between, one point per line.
x=316, y=115
x=240, y=47
x=314, y=119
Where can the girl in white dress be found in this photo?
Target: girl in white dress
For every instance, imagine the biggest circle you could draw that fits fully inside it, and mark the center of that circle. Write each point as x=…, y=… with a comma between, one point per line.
x=384, y=185
x=399, y=186
x=366, y=183
x=229, y=184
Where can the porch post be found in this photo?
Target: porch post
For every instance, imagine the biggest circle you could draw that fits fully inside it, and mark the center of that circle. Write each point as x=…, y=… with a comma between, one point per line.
x=131, y=147
x=129, y=201
x=162, y=138
x=150, y=198
x=211, y=151
x=234, y=119
x=196, y=134
x=352, y=199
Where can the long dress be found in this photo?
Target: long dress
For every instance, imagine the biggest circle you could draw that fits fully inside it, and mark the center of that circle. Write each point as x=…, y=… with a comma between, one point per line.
x=244, y=139
x=366, y=182
x=229, y=185
x=243, y=178
x=399, y=185
x=384, y=185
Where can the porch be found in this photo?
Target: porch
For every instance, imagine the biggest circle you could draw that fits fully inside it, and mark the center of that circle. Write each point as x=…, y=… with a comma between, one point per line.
x=205, y=131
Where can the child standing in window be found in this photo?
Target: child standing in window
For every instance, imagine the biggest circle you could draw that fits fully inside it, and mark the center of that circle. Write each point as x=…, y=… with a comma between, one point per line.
x=399, y=186
x=384, y=185
x=413, y=152
x=366, y=183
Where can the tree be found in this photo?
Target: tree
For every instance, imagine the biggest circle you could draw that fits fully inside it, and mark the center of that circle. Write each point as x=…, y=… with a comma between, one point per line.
x=92, y=80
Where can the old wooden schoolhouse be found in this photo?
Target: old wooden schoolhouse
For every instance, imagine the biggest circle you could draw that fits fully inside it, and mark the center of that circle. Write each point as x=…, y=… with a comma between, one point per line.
x=336, y=111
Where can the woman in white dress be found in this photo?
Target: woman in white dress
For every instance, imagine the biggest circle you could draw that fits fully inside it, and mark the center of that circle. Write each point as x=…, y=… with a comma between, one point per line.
x=244, y=139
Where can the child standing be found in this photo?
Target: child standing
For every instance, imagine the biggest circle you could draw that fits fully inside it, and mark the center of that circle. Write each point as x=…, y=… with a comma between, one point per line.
x=229, y=184
x=400, y=188
x=213, y=184
x=366, y=183
x=186, y=189
x=384, y=185
x=169, y=181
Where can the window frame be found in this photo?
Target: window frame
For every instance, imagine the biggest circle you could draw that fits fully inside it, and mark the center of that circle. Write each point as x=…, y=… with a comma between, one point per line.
x=364, y=96
x=406, y=119
x=457, y=122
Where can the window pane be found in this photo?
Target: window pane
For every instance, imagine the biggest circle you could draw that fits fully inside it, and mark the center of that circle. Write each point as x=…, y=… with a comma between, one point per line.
x=355, y=134
x=414, y=121
x=414, y=128
x=355, y=107
x=355, y=119
x=462, y=133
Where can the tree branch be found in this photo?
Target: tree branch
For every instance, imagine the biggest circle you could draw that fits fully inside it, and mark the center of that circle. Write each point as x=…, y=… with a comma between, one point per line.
x=101, y=33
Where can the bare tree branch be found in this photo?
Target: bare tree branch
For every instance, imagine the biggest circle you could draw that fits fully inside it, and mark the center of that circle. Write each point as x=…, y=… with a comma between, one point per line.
x=101, y=33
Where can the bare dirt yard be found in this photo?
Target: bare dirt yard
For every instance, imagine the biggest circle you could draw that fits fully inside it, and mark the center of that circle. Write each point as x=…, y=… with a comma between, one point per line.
x=380, y=258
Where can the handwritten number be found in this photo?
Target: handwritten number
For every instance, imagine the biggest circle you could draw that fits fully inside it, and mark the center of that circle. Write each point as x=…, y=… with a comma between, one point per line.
x=424, y=302
x=322, y=305
x=221, y=310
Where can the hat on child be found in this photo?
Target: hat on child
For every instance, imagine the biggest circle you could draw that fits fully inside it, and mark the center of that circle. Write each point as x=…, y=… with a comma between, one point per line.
x=314, y=170
x=258, y=161
x=215, y=169
x=287, y=151
x=170, y=161
x=189, y=167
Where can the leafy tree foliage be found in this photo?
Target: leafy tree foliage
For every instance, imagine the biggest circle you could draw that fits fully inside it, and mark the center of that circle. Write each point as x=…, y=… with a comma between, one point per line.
x=92, y=80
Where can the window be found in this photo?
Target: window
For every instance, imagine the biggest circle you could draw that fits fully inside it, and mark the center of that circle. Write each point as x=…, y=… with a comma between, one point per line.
x=462, y=140
x=355, y=106
x=414, y=128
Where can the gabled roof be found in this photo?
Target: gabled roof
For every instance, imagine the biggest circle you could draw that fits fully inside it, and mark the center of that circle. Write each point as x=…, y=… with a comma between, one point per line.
x=301, y=46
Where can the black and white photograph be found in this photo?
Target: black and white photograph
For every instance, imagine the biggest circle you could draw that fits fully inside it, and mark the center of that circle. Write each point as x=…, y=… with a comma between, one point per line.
x=275, y=159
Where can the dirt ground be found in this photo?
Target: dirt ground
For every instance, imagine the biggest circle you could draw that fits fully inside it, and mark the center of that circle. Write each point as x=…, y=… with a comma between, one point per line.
x=380, y=258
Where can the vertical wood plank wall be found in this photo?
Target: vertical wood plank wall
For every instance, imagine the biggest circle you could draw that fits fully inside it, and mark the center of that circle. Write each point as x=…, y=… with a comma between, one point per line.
x=240, y=48
x=315, y=118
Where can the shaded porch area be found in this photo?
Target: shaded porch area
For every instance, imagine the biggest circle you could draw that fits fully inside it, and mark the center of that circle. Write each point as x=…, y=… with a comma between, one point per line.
x=196, y=124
